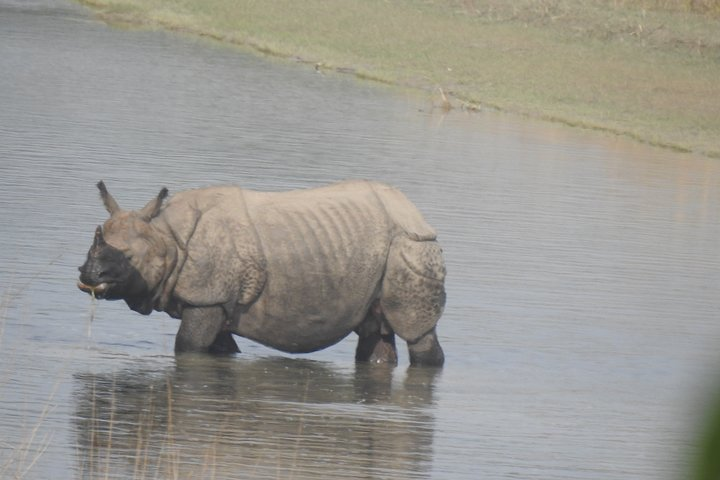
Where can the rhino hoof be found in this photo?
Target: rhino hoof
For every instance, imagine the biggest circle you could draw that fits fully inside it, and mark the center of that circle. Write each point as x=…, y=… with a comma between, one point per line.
x=224, y=344
x=376, y=348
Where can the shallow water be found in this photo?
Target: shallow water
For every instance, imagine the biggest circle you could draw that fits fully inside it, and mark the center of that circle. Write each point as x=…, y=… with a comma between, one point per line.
x=581, y=331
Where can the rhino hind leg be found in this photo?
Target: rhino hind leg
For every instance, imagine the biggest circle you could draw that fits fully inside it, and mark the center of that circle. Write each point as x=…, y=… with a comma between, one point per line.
x=426, y=351
x=377, y=348
x=412, y=297
x=376, y=342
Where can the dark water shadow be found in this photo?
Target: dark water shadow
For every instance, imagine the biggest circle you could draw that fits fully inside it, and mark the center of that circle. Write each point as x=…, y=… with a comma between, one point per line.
x=262, y=418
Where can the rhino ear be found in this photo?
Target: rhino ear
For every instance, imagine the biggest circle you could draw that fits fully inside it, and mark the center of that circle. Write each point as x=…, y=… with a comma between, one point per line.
x=151, y=210
x=110, y=204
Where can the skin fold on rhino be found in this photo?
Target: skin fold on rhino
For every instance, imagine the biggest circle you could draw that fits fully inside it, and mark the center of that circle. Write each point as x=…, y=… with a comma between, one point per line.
x=297, y=271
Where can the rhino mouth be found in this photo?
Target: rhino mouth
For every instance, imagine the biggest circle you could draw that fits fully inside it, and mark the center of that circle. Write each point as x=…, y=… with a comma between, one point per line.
x=97, y=291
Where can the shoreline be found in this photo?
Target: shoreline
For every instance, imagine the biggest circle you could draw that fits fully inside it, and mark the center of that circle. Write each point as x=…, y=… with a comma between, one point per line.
x=647, y=75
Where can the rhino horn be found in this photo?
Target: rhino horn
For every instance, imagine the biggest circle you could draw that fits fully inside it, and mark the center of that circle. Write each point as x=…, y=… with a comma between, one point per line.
x=110, y=204
x=153, y=207
x=99, y=240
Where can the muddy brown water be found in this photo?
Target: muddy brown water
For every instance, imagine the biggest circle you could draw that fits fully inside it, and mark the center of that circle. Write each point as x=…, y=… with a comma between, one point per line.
x=581, y=330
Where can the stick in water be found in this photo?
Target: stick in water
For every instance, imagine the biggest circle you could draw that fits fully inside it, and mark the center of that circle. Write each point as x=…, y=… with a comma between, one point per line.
x=93, y=305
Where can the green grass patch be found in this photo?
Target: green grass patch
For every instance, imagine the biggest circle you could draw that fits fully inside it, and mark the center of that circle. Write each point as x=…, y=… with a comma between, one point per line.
x=646, y=69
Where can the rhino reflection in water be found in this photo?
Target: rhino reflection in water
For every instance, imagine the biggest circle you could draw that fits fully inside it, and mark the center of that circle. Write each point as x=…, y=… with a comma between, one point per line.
x=266, y=418
x=296, y=271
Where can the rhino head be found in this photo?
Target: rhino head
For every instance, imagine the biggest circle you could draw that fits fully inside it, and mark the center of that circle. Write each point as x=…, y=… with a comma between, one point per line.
x=129, y=256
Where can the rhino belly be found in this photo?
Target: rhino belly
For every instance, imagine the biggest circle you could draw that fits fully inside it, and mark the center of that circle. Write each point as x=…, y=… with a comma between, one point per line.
x=324, y=266
x=299, y=330
x=307, y=314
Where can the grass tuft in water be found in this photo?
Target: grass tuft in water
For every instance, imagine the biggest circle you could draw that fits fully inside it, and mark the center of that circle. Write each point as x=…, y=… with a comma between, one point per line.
x=17, y=460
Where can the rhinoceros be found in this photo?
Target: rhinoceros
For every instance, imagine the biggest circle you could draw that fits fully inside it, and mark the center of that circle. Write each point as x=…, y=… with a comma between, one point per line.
x=296, y=271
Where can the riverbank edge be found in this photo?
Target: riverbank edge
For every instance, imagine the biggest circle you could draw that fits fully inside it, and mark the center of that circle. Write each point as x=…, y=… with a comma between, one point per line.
x=446, y=101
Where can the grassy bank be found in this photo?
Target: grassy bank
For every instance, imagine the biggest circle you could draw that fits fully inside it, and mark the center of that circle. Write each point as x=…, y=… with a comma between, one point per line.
x=646, y=69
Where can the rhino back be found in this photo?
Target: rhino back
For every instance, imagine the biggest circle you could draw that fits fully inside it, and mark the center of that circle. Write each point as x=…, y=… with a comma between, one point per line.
x=325, y=251
x=403, y=213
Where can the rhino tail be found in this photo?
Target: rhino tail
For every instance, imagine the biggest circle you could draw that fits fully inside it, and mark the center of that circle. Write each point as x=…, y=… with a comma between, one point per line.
x=403, y=213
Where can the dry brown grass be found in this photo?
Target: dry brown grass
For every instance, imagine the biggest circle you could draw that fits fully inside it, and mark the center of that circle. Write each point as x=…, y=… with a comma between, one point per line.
x=705, y=7
x=647, y=69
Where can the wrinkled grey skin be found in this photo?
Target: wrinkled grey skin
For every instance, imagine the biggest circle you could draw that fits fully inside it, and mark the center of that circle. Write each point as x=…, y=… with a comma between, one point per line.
x=296, y=271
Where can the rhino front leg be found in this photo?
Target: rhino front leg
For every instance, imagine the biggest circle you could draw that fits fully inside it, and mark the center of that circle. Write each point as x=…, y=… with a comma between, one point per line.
x=202, y=329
